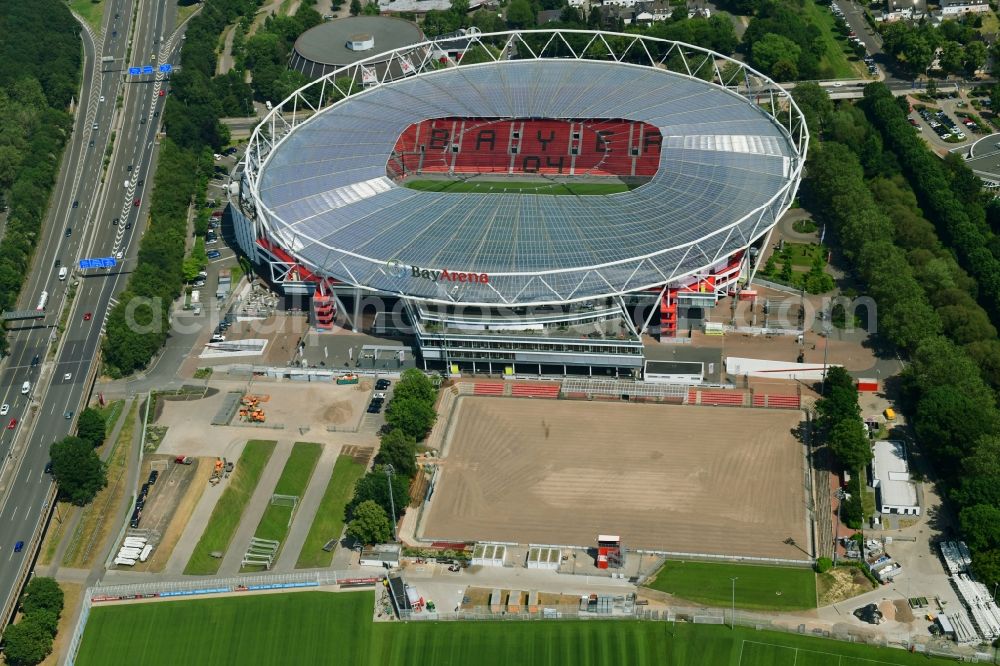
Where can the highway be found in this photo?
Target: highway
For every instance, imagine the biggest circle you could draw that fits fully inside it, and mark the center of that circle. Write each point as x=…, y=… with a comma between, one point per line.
x=79, y=225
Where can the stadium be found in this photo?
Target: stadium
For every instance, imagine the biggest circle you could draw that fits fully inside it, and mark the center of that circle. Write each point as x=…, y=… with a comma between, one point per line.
x=529, y=203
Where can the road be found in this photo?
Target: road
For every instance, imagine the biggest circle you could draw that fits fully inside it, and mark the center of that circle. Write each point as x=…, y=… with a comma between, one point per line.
x=78, y=226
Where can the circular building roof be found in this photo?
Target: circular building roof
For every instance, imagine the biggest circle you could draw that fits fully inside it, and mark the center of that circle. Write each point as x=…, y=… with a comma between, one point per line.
x=330, y=43
x=727, y=171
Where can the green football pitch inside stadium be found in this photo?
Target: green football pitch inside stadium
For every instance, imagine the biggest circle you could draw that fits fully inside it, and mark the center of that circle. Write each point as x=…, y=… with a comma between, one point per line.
x=336, y=627
x=524, y=187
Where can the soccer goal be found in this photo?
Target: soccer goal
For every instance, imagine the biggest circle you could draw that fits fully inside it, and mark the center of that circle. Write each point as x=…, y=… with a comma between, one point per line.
x=286, y=500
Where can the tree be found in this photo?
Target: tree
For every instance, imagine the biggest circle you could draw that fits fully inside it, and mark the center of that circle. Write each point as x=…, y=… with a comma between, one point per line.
x=375, y=486
x=42, y=594
x=975, y=56
x=952, y=57
x=412, y=416
x=371, y=8
x=90, y=427
x=399, y=450
x=768, y=51
x=981, y=526
x=355, y=7
x=415, y=384
x=370, y=524
x=849, y=442
x=27, y=642
x=520, y=14
x=77, y=469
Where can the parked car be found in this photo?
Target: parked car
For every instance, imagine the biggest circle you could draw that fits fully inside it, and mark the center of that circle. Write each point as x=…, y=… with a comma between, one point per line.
x=213, y=254
x=382, y=384
x=155, y=474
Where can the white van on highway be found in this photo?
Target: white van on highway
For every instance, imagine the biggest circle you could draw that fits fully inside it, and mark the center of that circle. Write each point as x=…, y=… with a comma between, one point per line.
x=63, y=272
x=26, y=388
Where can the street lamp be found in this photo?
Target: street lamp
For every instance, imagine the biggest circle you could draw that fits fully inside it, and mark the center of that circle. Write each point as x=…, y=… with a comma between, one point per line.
x=389, y=471
x=732, y=613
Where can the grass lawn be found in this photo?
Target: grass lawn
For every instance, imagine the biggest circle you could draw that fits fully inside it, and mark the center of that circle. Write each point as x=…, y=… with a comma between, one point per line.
x=110, y=412
x=309, y=627
x=185, y=10
x=329, y=521
x=294, y=478
x=498, y=187
x=228, y=510
x=834, y=64
x=757, y=587
x=90, y=10
x=99, y=519
x=803, y=254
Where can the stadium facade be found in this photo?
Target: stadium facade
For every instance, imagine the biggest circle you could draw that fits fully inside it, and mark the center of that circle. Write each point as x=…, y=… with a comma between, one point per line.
x=708, y=153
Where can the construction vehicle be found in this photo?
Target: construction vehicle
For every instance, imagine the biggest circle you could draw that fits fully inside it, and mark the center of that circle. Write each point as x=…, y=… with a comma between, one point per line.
x=217, y=471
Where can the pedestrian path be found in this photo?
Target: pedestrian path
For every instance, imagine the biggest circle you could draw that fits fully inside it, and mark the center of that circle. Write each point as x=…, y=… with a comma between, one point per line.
x=307, y=510
x=255, y=508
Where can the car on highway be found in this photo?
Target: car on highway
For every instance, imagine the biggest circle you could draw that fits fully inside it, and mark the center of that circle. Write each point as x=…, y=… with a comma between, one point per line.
x=102, y=98
x=69, y=231
x=87, y=316
x=214, y=254
x=12, y=424
x=114, y=222
x=136, y=202
x=140, y=182
x=4, y=409
x=128, y=225
x=48, y=467
x=68, y=376
x=36, y=360
x=163, y=93
x=76, y=204
x=120, y=255
x=19, y=546
x=68, y=415
x=128, y=169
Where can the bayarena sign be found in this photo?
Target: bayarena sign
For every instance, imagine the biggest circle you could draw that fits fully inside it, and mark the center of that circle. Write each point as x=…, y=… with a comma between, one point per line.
x=398, y=270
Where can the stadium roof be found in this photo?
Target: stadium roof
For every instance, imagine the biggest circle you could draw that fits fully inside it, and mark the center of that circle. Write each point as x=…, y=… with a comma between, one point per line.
x=727, y=170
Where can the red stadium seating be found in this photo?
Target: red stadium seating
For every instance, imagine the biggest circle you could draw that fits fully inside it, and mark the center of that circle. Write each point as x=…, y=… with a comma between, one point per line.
x=525, y=146
x=487, y=389
x=535, y=390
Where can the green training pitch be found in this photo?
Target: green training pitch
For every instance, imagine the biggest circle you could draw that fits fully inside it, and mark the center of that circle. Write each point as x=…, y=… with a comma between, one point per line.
x=329, y=520
x=312, y=627
x=757, y=587
x=504, y=187
x=228, y=510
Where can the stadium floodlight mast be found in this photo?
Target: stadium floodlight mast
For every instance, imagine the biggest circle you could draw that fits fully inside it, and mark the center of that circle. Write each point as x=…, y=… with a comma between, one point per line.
x=389, y=471
x=732, y=613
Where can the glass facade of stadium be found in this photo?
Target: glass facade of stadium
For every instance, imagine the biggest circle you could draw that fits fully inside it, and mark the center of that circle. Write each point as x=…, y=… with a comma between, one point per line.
x=504, y=283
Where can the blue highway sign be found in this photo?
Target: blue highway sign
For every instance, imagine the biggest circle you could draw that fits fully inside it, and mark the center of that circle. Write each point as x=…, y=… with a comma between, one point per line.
x=165, y=68
x=134, y=71
x=100, y=262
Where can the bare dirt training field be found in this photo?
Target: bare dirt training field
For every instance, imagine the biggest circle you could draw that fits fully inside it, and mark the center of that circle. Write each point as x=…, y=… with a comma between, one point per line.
x=678, y=478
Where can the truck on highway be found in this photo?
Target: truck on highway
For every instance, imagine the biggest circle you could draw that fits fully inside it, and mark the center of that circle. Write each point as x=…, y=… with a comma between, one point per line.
x=42, y=301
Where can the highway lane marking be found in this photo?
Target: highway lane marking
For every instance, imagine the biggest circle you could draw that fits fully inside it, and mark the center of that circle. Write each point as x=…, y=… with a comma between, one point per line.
x=14, y=512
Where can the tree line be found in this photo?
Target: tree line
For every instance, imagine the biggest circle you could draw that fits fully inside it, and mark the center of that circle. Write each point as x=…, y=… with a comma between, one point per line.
x=409, y=418
x=839, y=426
x=30, y=640
x=40, y=60
x=138, y=325
x=870, y=196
